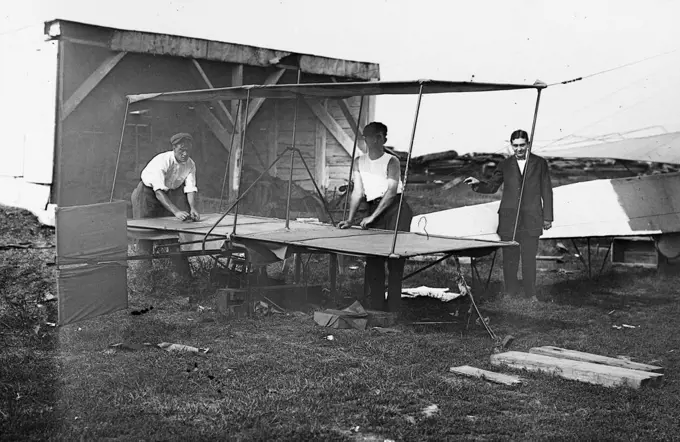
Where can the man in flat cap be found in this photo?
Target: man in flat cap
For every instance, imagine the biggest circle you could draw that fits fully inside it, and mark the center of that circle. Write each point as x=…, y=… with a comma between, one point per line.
x=160, y=192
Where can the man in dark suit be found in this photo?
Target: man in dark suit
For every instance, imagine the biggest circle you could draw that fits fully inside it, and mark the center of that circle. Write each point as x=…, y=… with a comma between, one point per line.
x=527, y=175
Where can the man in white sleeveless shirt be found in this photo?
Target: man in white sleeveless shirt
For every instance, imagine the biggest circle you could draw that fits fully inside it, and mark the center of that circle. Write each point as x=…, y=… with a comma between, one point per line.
x=377, y=177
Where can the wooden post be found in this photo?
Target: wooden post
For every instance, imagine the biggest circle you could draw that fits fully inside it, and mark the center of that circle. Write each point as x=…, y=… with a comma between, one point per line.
x=237, y=154
x=320, y=152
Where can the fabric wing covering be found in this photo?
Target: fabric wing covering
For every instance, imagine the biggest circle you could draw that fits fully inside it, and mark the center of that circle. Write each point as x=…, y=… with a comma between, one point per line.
x=638, y=206
x=92, y=260
x=330, y=90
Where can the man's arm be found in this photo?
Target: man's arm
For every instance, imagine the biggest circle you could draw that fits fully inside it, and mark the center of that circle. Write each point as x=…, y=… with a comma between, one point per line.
x=192, y=197
x=192, y=192
x=547, y=196
x=490, y=186
x=162, y=197
x=355, y=197
x=393, y=177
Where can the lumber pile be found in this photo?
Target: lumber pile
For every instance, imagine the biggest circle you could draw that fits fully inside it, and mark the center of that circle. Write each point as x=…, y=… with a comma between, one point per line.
x=583, y=367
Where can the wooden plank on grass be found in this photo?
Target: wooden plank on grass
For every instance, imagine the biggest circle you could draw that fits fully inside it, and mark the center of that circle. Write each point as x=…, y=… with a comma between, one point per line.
x=574, y=355
x=499, y=378
x=578, y=370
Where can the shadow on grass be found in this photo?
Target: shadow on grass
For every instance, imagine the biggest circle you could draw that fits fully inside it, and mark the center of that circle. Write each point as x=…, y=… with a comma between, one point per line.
x=617, y=289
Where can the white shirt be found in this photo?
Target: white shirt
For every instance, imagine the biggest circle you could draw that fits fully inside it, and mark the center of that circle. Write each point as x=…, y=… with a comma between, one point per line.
x=521, y=164
x=164, y=173
x=374, y=176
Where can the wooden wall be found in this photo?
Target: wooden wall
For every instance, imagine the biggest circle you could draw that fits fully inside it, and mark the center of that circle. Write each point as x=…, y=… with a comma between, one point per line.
x=90, y=132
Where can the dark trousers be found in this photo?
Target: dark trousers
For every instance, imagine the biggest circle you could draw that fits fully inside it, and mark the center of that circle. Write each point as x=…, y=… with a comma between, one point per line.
x=146, y=205
x=374, y=277
x=528, y=246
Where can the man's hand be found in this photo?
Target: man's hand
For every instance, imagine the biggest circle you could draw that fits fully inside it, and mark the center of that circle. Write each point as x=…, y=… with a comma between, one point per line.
x=345, y=224
x=547, y=225
x=366, y=221
x=182, y=215
x=195, y=215
x=471, y=181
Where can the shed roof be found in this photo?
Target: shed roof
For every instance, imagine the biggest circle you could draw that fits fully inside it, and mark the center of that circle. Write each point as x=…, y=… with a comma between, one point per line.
x=201, y=49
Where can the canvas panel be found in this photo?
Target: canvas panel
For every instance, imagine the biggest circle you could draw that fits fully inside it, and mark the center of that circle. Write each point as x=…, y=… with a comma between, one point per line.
x=92, y=233
x=85, y=292
x=92, y=259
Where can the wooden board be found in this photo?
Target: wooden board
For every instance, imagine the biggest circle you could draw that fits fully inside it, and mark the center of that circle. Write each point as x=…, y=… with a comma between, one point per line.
x=578, y=370
x=595, y=359
x=499, y=378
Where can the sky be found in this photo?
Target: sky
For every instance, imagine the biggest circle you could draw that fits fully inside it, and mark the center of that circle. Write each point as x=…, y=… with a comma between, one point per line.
x=517, y=41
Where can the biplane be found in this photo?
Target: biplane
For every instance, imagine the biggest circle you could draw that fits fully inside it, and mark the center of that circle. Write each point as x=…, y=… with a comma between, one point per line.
x=279, y=238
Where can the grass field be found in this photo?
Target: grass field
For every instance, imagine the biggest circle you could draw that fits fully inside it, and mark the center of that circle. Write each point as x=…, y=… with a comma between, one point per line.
x=280, y=378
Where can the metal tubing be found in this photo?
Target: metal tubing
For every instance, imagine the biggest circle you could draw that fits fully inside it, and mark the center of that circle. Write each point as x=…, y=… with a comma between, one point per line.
x=433, y=263
x=526, y=165
x=580, y=256
x=292, y=153
x=243, y=195
x=351, y=164
x=318, y=191
x=120, y=147
x=408, y=161
x=231, y=149
x=604, y=260
x=493, y=261
x=244, y=117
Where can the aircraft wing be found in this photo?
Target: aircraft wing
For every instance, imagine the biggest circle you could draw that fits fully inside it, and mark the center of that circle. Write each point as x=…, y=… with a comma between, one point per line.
x=639, y=206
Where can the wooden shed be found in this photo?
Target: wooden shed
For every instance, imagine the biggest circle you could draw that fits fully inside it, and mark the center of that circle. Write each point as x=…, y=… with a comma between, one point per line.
x=69, y=89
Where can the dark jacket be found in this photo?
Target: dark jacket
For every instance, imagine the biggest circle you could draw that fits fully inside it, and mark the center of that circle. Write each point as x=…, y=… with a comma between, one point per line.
x=537, y=201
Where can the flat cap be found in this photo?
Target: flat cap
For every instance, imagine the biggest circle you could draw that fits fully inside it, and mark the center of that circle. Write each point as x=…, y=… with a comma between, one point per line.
x=177, y=138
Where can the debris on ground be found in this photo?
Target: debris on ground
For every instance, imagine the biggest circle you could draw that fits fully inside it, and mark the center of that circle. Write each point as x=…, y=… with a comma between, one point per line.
x=443, y=294
x=262, y=308
x=570, y=364
x=410, y=419
x=182, y=348
x=430, y=410
x=385, y=330
x=487, y=320
x=354, y=316
x=507, y=341
x=141, y=311
x=498, y=378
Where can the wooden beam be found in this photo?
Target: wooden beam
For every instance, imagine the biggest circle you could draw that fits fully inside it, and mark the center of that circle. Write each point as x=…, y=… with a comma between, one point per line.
x=214, y=125
x=257, y=103
x=236, y=80
x=90, y=83
x=273, y=148
x=333, y=127
x=345, y=108
x=595, y=359
x=81, y=41
x=320, y=146
x=499, y=378
x=220, y=104
x=577, y=370
x=237, y=155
